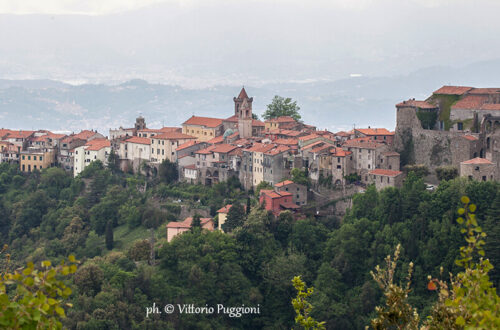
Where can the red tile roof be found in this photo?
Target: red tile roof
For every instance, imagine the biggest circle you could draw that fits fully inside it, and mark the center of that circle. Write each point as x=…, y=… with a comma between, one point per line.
x=382, y=172
x=4, y=132
x=257, y=123
x=85, y=135
x=97, y=144
x=173, y=136
x=223, y=148
x=486, y=91
x=282, y=119
x=138, y=140
x=270, y=193
x=339, y=152
x=232, y=119
x=453, y=90
x=205, y=151
x=477, y=160
x=260, y=147
x=289, y=141
x=187, y=144
x=284, y=183
x=224, y=209
x=343, y=134
x=278, y=150
x=204, y=121
x=187, y=223
x=470, y=102
x=171, y=129
x=190, y=167
x=374, y=131
x=416, y=104
x=308, y=137
x=217, y=139
x=490, y=106
x=19, y=134
x=470, y=137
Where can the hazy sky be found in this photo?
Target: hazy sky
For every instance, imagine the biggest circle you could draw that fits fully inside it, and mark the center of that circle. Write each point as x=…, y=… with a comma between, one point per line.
x=200, y=43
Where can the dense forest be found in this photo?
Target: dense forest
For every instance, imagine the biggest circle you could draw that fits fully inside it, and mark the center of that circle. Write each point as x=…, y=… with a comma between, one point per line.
x=107, y=219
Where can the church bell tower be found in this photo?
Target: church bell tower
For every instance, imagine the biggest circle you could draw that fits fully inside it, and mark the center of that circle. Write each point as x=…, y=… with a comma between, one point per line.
x=243, y=110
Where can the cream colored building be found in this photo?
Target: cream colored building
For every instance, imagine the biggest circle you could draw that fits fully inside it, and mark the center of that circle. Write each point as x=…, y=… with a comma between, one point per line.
x=203, y=128
x=97, y=149
x=163, y=146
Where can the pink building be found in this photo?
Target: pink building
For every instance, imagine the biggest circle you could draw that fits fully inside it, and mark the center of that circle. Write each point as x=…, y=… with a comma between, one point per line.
x=176, y=228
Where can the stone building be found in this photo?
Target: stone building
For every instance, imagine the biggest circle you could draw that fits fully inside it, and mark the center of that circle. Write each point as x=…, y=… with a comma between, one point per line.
x=36, y=159
x=479, y=169
x=203, y=128
x=298, y=191
x=164, y=145
x=386, y=178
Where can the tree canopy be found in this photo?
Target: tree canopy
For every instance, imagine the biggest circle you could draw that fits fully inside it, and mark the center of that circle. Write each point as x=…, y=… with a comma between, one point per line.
x=281, y=106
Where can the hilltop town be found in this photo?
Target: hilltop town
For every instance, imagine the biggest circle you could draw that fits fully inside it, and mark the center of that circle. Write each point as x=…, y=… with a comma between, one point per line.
x=454, y=131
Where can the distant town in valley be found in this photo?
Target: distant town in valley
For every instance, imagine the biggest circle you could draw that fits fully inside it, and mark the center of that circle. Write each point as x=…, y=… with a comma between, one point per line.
x=454, y=132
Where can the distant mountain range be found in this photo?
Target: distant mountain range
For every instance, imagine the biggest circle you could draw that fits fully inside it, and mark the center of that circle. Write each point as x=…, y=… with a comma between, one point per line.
x=335, y=105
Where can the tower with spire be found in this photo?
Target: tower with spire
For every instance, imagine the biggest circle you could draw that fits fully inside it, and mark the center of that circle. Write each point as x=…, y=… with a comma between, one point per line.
x=243, y=110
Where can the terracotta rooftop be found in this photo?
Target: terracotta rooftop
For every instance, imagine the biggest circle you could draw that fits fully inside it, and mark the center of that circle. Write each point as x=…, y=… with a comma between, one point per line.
x=138, y=140
x=470, y=102
x=171, y=129
x=470, y=137
x=339, y=152
x=490, y=106
x=390, y=153
x=284, y=183
x=187, y=144
x=452, y=90
x=290, y=141
x=286, y=132
x=187, y=223
x=308, y=137
x=203, y=121
x=205, y=151
x=217, y=139
x=190, y=167
x=477, y=160
x=232, y=119
x=484, y=91
x=85, y=135
x=343, y=134
x=271, y=193
x=260, y=147
x=282, y=119
x=416, y=104
x=19, y=134
x=223, y=148
x=374, y=131
x=257, y=123
x=382, y=172
x=4, y=132
x=278, y=150
x=97, y=144
x=224, y=209
x=173, y=136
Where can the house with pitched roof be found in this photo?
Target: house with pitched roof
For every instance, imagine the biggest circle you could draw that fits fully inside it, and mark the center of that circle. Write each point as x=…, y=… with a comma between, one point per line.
x=385, y=178
x=366, y=155
x=164, y=145
x=176, y=228
x=277, y=202
x=479, y=169
x=203, y=128
x=96, y=149
x=298, y=191
x=133, y=152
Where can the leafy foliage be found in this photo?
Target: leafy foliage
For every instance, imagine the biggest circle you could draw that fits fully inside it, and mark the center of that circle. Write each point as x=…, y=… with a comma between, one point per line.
x=303, y=307
x=281, y=106
x=33, y=298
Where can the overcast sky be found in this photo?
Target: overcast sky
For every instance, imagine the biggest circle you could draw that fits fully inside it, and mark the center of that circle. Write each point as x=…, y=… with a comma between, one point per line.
x=200, y=43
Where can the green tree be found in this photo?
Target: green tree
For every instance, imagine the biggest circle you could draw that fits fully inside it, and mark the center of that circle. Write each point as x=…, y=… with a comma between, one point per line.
x=446, y=173
x=89, y=279
x=109, y=235
x=235, y=217
x=40, y=294
x=300, y=177
x=248, y=206
x=303, y=308
x=113, y=162
x=168, y=172
x=196, y=223
x=281, y=106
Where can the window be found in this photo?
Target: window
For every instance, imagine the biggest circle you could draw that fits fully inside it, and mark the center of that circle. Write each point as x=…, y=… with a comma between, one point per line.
x=368, y=165
x=29, y=157
x=338, y=159
x=484, y=178
x=34, y=157
x=339, y=167
x=23, y=159
x=460, y=126
x=381, y=178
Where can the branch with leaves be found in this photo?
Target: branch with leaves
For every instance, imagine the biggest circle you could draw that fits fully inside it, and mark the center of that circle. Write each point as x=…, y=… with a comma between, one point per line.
x=303, y=308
